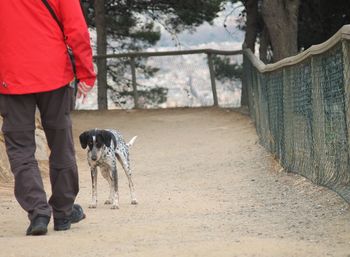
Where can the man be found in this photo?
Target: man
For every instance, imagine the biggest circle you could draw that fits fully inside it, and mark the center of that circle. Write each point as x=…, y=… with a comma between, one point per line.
x=35, y=72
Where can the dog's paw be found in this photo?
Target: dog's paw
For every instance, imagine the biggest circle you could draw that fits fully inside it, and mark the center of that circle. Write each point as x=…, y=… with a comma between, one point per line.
x=114, y=206
x=134, y=202
x=93, y=206
x=108, y=202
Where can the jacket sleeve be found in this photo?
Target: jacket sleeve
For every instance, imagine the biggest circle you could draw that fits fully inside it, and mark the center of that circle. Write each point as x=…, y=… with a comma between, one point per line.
x=78, y=39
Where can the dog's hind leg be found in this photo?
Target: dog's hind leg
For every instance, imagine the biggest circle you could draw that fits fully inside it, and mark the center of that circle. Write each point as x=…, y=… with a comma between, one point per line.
x=94, y=187
x=126, y=166
x=115, y=195
x=108, y=176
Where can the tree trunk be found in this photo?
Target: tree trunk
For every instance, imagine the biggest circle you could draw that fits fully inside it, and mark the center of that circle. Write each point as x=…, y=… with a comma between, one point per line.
x=101, y=50
x=264, y=46
x=281, y=19
x=251, y=7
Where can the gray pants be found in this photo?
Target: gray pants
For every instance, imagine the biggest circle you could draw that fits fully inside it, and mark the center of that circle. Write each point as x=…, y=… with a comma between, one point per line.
x=18, y=112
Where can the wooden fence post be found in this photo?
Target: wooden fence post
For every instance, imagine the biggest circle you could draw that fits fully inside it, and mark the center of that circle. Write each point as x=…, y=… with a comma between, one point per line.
x=134, y=86
x=212, y=78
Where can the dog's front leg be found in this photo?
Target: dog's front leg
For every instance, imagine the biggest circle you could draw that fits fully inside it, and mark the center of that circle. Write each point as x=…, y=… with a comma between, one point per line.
x=94, y=187
x=105, y=171
x=115, y=195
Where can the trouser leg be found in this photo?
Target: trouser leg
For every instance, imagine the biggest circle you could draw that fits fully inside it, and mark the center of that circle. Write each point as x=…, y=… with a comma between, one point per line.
x=18, y=114
x=29, y=189
x=63, y=171
x=55, y=110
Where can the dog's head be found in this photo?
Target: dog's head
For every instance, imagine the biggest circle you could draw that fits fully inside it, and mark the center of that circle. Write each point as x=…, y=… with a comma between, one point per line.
x=96, y=140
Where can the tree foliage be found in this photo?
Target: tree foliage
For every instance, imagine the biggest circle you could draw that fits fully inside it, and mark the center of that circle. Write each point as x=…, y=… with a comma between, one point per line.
x=134, y=20
x=321, y=19
x=226, y=69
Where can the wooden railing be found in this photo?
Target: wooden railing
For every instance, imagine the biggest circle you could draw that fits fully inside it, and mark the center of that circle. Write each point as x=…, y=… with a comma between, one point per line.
x=133, y=55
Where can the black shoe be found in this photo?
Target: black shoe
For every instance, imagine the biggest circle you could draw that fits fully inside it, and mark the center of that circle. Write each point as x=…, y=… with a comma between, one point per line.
x=61, y=224
x=76, y=216
x=38, y=226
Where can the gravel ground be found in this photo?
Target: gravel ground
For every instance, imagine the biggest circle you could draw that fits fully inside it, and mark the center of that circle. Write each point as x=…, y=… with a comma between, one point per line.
x=205, y=188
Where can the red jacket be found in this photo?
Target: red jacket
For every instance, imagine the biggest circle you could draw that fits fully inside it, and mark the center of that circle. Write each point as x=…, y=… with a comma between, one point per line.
x=33, y=54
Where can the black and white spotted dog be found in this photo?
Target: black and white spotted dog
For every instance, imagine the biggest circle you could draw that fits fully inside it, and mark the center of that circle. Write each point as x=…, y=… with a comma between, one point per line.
x=104, y=148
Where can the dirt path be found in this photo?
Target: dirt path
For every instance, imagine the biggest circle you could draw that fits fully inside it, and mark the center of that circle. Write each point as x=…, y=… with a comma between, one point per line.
x=205, y=188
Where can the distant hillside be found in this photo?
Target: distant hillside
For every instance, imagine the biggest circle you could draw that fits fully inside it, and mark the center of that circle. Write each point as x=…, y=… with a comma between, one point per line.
x=186, y=78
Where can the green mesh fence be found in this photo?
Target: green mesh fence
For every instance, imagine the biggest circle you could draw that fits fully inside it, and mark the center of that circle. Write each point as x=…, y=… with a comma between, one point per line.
x=302, y=115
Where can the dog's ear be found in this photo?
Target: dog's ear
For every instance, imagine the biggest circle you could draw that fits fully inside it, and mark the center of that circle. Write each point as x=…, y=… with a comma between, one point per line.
x=107, y=137
x=83, y=139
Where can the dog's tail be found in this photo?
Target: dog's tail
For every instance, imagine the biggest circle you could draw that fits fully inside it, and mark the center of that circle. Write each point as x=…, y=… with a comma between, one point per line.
x=131, y=141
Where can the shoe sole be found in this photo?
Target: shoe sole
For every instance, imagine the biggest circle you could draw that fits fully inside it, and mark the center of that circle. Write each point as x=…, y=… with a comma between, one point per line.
x=38, y=231
x=62, y=228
